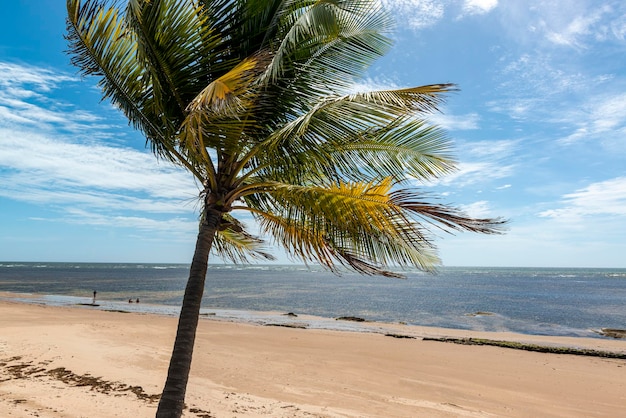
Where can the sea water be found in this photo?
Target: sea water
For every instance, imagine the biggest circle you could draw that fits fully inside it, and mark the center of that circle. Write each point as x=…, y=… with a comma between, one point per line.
x=542, y=301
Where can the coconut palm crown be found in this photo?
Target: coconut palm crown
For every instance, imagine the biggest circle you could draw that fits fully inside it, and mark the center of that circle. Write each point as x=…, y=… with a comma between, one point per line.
x=254, y=98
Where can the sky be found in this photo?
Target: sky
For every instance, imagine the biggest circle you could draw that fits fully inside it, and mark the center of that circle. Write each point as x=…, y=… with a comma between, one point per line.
x=538, y=125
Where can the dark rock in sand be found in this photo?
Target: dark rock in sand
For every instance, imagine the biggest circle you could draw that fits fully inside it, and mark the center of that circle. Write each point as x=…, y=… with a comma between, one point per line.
x=350, y=318
x=400, y=336
x=480, y=313
x=293, y=315
x=613, y=332
x=297, y=326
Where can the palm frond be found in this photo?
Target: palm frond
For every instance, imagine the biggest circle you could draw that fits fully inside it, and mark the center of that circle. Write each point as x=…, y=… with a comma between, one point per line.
x=234, y=243
x=376, y=133
x=102, y=45
x=445, y=217
x=344, y=115
x=328, y=43
x=406, y=148
x=353, y=221
x=170, y=41
x=297, y=238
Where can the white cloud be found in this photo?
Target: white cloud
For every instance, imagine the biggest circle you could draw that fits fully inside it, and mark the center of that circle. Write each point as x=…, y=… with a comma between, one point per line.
x=43, y=161
x=17, y=76
x=478, y=209
x=495, y=150
x=564, y=23
x=481, y=172
x=600, y=117
x=417, y=13
x=367, y=85
x=537, y=72
x=603, y=198
x=538, y=88
x=479, y=6
x=82, y=177
x=420, y=14
x=171, y=226
x=574, y=31
x=482, y=162
x=618, y=28
x=455, y=122
x=535, y=244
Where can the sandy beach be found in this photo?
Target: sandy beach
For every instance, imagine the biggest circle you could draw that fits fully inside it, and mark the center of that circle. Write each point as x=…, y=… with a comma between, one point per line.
x=83, y=362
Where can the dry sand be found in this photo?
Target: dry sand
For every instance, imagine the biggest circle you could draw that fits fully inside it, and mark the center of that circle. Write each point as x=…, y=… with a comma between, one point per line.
x=81, y=362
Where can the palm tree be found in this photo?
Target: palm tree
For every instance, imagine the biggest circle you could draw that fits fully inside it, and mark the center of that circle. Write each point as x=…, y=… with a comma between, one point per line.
x=253, y=98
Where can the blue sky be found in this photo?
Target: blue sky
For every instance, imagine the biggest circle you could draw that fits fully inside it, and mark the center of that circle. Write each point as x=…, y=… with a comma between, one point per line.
x=539, y=126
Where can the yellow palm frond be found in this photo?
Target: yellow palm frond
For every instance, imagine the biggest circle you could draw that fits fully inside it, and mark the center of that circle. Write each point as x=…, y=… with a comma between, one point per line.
x=354, y=223
x=225, y=93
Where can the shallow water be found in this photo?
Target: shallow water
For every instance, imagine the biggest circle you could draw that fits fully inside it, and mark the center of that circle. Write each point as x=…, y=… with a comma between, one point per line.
x=567, y=302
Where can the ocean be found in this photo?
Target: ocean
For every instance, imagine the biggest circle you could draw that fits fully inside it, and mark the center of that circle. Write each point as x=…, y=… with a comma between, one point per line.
x=539, y=301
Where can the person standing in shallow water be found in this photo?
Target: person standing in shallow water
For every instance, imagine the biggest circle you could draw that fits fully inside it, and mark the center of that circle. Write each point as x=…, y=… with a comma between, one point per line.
x=94, y=298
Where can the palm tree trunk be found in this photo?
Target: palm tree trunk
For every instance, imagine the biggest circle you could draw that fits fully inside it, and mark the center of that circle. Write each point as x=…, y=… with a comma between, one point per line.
x=173, y=398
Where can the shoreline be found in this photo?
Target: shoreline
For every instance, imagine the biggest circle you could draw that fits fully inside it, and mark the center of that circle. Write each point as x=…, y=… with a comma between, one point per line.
x=74, y=362
x=339, y=324
x=472, y=299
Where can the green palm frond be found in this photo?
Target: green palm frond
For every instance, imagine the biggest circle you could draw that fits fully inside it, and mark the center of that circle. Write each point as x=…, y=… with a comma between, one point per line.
x=403, y=149
x=234, y=243
x=374, y=133
x=366, y=225
x=102, y=45
x=406, y=148
x=344, y=115
x=330, y=42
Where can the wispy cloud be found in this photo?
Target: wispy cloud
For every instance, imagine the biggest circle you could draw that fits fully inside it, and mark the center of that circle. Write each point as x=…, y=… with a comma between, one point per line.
x=478, y=209
x=537, y=88
x=25, y=80
x=450, y=122
x=171, y=226
x=601, y=117
x=575, y=29
x=479, y=6
x=421, y=14
x=538, y=73
x=418, y=14
x=548, y=76
x=570, y=24
x=494, y=150
x=373, y=84
x=54, y=154
x=478, y=172
x=482, y=162
x=603, y=198
x=50, y=163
